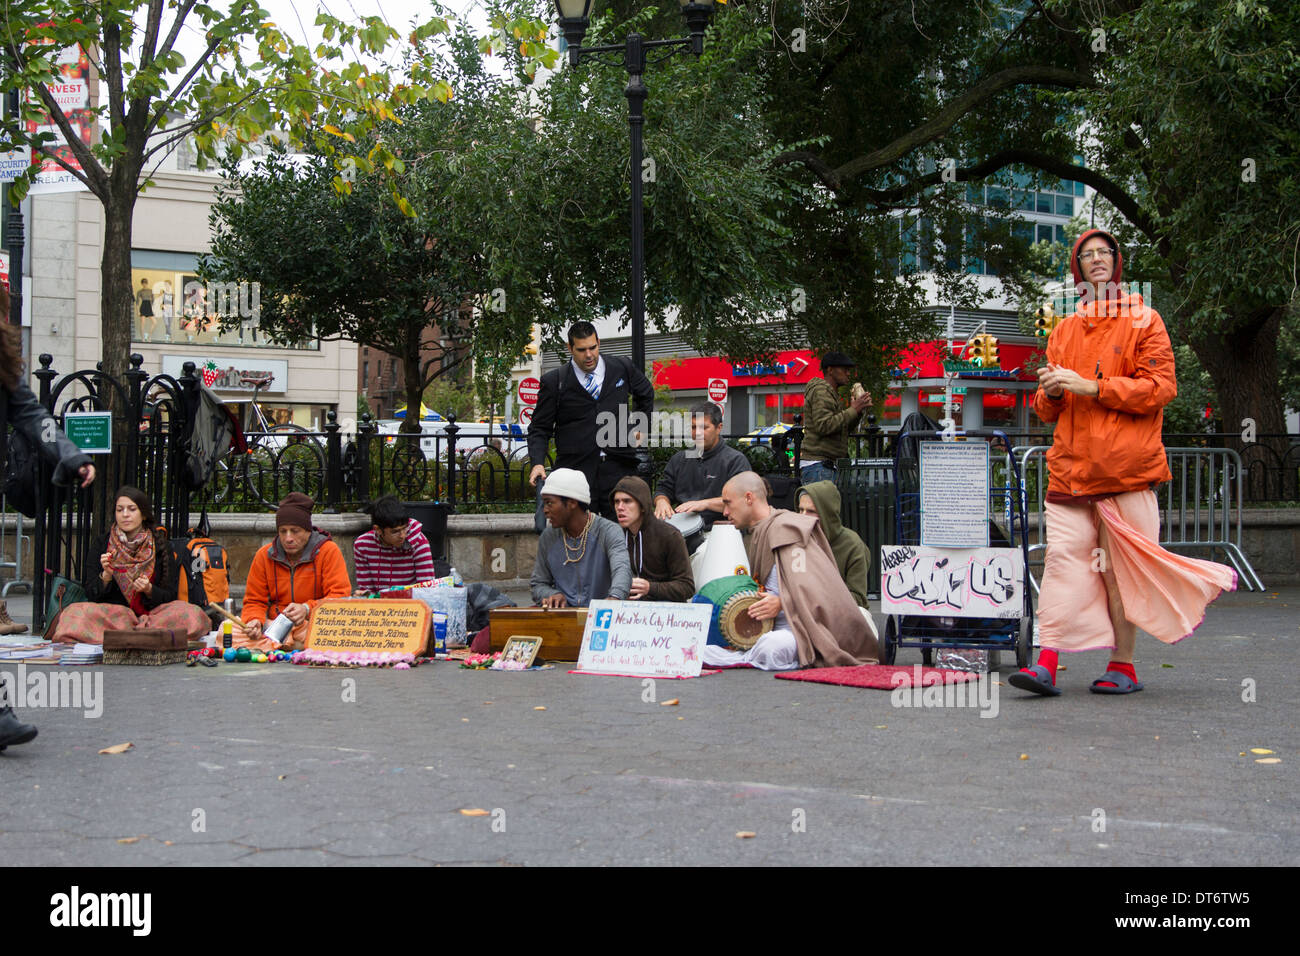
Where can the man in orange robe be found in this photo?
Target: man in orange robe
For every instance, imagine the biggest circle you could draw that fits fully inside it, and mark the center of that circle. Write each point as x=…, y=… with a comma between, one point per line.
x=1109, y=374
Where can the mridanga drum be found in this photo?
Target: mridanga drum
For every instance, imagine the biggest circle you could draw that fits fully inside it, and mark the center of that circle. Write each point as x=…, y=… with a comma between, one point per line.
x=732, y=598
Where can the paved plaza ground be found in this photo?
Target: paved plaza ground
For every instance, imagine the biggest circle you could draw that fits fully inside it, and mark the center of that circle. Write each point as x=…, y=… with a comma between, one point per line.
x=269, y=764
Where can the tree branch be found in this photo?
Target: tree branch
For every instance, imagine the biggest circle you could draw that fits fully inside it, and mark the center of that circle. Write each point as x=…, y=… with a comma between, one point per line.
x=96, y=177
x=151, y=24
x=181, y=14
x=112, y=75
x=947, y=117
x=1115, y=194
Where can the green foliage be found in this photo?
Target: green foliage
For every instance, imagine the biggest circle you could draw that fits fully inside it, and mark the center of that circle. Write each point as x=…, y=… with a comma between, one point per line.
x=449, y=397
x=450, y=274
x=250, y=78
x=1186, y=413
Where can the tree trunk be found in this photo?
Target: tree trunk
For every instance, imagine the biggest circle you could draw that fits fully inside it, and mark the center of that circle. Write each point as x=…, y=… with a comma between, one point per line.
x=414, y=382
x=116, y=294
x=1243, y=366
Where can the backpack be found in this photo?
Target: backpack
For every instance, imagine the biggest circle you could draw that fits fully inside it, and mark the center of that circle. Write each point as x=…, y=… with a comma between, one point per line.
x=215, y=431
x=21, y=469
x=205, y=576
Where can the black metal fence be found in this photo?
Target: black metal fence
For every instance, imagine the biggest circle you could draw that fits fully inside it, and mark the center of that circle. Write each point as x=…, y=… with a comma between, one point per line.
x=345, y=468
x=151, y=425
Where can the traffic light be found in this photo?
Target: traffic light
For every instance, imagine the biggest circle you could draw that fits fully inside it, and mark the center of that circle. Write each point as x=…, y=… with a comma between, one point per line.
x=1046, y=320
x=990, y=356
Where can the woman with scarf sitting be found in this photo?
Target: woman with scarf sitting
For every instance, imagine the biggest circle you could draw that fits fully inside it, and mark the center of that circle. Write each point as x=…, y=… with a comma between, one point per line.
x=131, y=580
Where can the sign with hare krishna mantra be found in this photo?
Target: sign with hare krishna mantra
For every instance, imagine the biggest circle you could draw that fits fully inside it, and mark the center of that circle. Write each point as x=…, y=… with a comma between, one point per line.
x=354, y=626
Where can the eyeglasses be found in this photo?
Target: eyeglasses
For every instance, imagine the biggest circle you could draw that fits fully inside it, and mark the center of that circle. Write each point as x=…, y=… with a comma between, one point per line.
x=1096, y=254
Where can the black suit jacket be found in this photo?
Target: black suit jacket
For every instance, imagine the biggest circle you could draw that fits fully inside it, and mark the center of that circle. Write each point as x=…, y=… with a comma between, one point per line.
x=583, y=426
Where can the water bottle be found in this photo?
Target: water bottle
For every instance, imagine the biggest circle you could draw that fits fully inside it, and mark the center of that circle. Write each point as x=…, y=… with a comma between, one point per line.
x=456, y=579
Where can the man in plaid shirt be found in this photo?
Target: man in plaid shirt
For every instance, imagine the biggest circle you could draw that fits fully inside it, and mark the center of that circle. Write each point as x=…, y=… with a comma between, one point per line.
x=394, y=552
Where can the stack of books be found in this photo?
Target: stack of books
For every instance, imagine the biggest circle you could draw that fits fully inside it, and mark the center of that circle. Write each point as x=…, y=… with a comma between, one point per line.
x=83, y=654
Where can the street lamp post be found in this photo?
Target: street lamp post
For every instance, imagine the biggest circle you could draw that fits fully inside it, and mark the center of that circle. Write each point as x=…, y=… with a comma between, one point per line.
x=573, y=21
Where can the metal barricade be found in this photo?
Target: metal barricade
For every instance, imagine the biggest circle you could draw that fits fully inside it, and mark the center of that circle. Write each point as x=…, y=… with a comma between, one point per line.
x=1206, y=495
x=19, y=541
x=867, y=494
x=1200, y=507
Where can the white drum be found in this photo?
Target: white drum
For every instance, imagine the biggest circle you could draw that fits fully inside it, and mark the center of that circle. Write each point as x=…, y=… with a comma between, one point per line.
x=722, y=556
x=691, y=526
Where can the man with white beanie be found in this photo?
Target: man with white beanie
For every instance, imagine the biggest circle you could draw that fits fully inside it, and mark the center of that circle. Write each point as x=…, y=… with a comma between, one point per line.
x=581, y=557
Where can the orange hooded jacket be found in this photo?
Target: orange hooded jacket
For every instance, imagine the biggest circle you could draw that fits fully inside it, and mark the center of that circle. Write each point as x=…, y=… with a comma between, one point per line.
x=1110, y=443
x=321, y=572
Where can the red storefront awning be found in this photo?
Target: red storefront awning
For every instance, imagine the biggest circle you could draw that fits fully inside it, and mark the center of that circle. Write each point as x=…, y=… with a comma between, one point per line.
x=920, y=360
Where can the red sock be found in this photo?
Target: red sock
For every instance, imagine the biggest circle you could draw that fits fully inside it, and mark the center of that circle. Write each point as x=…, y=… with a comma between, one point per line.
x=1047, y=658
x=1125, y=669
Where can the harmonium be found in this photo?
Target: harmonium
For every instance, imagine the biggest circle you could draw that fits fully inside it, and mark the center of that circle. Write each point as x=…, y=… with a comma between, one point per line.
x=559, y=628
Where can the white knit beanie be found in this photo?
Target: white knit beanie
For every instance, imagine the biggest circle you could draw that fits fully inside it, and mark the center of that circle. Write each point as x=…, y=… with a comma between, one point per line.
x=568, y=483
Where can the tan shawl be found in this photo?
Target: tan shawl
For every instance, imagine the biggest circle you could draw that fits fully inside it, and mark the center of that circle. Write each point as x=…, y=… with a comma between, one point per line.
x=829, y=629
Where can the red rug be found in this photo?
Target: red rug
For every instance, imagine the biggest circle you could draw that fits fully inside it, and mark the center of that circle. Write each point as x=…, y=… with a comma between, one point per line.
x=880, y=676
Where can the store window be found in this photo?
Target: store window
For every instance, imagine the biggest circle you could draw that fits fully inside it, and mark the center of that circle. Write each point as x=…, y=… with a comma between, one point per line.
x=775, y=406
x=172, y=306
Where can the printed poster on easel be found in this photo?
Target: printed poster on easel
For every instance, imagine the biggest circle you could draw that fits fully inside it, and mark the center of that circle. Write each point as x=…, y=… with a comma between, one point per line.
x=645, y=639
x=955, y=494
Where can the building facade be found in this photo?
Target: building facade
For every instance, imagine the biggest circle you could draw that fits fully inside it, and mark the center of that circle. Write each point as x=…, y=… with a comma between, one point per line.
x=174, y=317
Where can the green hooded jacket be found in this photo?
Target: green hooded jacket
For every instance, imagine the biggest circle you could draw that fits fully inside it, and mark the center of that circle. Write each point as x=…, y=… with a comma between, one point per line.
x=851, y=555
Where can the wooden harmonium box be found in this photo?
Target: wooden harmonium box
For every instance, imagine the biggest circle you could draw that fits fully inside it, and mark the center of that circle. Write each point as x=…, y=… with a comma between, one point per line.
x=559, y=628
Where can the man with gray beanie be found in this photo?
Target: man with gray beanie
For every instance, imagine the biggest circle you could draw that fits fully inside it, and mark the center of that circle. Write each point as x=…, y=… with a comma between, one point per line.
x=581, y=557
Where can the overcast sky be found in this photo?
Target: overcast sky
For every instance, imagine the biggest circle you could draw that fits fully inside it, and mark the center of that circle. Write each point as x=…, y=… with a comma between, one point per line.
x=297, y=18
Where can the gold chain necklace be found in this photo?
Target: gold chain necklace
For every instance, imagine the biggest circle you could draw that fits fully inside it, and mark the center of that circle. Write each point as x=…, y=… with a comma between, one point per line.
x=574, y=554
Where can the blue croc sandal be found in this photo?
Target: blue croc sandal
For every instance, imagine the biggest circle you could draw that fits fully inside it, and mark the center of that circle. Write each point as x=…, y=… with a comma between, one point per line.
x=1123, y=684
x=1035, y=679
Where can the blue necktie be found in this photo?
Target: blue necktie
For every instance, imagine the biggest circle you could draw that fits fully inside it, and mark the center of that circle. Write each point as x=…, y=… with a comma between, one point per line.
x=591, y=386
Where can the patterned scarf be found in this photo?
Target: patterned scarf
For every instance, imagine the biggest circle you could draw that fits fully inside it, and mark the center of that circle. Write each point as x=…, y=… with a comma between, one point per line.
x=128, y=559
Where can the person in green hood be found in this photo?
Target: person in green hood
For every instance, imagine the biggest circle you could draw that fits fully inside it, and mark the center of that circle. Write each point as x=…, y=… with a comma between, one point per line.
x=822, y=500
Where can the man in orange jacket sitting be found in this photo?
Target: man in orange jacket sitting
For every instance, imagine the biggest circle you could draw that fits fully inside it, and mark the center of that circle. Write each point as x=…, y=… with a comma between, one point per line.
x=1108, y=377
x=290, y=576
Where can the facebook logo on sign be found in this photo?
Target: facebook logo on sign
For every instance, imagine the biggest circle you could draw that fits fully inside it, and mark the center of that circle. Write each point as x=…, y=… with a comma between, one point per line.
x=604, y=617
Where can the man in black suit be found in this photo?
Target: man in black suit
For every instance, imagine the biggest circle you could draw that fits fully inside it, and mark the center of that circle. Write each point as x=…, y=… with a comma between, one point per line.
x=584, y=405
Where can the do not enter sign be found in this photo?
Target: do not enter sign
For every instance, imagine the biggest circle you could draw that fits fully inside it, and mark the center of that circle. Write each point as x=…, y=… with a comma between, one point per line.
x=718, y=390
x=528, y=390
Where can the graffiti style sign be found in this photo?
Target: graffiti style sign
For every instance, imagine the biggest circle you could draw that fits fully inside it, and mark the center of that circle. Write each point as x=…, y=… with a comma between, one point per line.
x=952, y=582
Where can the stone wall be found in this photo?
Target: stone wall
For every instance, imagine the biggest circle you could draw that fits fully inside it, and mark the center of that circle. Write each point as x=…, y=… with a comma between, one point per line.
x=495, y=549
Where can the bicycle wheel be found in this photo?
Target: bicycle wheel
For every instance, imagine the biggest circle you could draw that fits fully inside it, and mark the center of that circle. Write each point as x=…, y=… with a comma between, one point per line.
x=287, y=458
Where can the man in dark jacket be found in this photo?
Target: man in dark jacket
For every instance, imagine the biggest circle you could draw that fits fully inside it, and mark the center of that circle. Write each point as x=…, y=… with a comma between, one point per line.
x=661, y=568
x=584, y=406
x=21, y=409
x=693, y=479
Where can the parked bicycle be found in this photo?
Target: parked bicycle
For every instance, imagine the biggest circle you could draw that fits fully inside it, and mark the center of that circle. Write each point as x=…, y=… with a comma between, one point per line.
x=282, y=457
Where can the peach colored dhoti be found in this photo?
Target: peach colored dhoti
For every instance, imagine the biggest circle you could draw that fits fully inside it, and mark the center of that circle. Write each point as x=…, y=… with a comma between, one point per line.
x=1163, y=593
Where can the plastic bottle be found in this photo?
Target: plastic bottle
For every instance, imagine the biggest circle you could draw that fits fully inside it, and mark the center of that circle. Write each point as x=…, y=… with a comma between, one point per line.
x=456, y=579
x=227, y=634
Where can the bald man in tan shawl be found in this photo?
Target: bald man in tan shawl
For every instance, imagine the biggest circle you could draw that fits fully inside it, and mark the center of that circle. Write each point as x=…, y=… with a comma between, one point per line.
x=815, y=620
